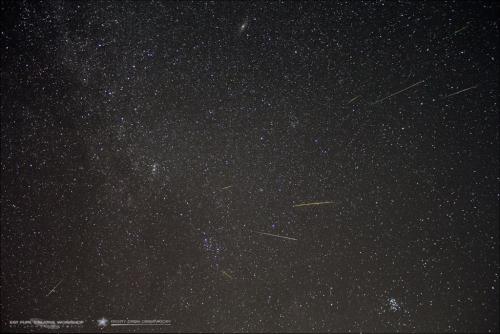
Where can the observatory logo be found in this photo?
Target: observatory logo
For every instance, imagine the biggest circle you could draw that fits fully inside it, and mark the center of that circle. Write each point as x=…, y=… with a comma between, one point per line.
x=103, y=322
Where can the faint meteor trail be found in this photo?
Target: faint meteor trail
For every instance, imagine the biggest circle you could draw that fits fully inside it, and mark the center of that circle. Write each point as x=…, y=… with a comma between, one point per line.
x=275, y=235
x=398, y=92
x=463, y=28
x=460, y=91
x=54, y=288
x=312, y=203
x=226, y=188
x=353, y=99
x=227, y=275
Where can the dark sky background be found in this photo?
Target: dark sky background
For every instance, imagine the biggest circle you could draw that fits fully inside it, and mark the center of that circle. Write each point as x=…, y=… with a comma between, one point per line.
x=147, y=146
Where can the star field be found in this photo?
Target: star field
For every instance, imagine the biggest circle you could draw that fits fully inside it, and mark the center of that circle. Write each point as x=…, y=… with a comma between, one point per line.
x=251, y=166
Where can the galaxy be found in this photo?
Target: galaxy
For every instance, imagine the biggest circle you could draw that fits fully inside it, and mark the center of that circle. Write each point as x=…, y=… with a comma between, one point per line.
x=249, y=166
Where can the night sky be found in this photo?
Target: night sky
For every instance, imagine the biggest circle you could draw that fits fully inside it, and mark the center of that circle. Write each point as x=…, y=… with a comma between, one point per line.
x=251, y=166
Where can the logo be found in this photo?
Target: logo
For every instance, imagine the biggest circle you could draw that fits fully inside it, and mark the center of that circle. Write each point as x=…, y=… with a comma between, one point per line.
x=103, y=322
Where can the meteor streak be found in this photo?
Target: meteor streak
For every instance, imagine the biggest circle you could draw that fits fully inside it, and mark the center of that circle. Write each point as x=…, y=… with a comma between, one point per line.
x=460, y=91
x=398, y=92
x=275, y=235
x=463, y=28
x=311, y=204
x=54, y=288
x=227, y=275
x=354, y=99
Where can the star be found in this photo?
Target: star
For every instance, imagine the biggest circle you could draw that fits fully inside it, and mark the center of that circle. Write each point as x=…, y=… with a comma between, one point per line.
x=154, y=168
x=244, y=26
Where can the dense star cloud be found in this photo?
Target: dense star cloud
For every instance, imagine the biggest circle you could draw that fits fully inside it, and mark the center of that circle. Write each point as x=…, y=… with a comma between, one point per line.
x=251, y=166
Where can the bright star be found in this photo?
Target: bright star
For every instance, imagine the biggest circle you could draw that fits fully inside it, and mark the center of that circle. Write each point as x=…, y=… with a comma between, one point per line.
x=243, y=26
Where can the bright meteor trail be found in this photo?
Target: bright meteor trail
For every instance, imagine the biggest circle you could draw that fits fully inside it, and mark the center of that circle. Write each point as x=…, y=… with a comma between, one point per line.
x=311, y=204
x=398, y=92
